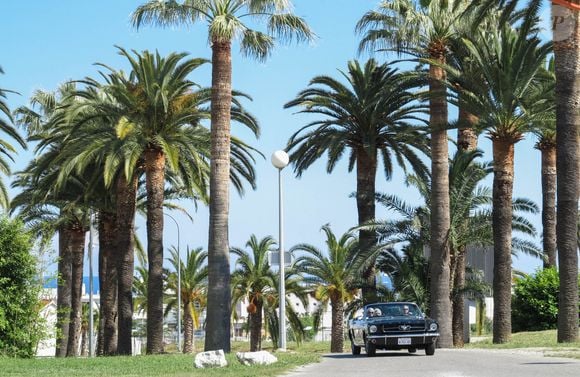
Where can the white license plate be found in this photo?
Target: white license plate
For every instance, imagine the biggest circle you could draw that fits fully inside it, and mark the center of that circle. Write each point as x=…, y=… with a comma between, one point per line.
x=404, y=341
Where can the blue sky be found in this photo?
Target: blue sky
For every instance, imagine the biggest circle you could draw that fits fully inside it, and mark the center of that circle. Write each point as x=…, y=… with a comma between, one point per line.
x=48, y=42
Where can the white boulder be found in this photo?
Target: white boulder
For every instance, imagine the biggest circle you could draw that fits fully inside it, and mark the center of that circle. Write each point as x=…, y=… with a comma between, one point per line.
x=210, y=359
x=260, y=358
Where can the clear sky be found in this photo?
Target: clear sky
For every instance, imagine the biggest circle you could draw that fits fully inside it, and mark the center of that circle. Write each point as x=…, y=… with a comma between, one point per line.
x=47, y=42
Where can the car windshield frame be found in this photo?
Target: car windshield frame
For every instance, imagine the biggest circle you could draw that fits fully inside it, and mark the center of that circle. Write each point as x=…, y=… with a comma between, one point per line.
x=393, y=310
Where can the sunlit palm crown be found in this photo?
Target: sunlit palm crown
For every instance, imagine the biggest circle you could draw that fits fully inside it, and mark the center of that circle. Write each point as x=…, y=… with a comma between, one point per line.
x=510, y=59
x=334, y=275
x=420, y=28
x=228, y=21
x=253, y=276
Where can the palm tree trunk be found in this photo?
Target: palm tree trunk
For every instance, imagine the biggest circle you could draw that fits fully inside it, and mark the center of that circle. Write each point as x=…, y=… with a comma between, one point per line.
x=466, y=135
x=219, y=301
x=188, y=341
x=337, y=332
x=466, y=141
x=440, y=217
x=549, y=202
x=366, y=168
x=126, y=194
x=458, y=299
x=63, y=299
x=155, y=184
x=567, y=68
x=256, y=328
x=84, y=342
x=503, y=181
x=108, y=283
x=77, y=253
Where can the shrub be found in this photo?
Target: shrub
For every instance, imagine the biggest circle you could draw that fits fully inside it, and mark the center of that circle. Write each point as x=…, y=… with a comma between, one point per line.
x=535, y=301
x=19, y=290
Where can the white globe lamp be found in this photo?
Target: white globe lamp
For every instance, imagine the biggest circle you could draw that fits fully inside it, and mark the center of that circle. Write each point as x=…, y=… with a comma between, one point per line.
x=280, y=159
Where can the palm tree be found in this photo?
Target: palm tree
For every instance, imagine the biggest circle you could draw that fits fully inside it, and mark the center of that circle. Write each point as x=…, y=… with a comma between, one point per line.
x=509, y=62
x=333, y=277
x=426, y=29
x=542, y=102
x=225, y=23
x=369, y=118
x=252, y=280
x=6, y=149
x=566, y=56
x=193, y=291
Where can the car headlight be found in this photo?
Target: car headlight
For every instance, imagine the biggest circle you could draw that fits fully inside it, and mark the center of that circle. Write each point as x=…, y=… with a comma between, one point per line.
x=433, y=327
x=373, y=328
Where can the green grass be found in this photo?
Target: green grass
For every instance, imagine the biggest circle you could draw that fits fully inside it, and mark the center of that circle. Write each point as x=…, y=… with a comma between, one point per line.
x=546, y=340
x=169, y=365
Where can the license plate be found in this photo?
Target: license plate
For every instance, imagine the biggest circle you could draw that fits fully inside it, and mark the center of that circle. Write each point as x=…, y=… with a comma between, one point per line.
x=404, y=341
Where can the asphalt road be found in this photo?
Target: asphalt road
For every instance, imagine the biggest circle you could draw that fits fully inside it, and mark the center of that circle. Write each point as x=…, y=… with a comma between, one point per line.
x=445, y=363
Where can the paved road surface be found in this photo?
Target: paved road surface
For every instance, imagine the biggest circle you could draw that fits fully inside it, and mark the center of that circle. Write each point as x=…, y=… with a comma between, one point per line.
x=445, y=363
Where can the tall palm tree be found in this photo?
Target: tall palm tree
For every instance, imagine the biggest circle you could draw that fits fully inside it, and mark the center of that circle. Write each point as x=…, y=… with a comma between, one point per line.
x=193, y=291
x=509, y=62
x=6, y=149
x=224, y=20
x=332, y=277
x=567, y=55
x=542, y=101
x=426, y=29
x=370, y=118
x=252, y=280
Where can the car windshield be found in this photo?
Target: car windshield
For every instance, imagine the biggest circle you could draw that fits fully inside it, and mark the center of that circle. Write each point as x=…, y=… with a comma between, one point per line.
x=393, y=310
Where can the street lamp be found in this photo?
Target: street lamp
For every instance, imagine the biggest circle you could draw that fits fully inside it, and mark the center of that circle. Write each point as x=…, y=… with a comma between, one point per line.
x=280, y=160
x=178, y=284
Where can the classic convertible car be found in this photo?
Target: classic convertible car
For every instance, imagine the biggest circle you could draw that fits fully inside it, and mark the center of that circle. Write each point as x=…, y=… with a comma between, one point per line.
x=392, y=326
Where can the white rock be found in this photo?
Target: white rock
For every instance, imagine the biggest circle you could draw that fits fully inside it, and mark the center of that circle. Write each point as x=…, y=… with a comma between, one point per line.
x=210, y=359
x=260, y=357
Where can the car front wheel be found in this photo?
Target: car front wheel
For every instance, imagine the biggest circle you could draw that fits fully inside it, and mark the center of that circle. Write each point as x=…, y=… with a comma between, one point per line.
x=430, y=349
x=370, y=348
x=355, y=349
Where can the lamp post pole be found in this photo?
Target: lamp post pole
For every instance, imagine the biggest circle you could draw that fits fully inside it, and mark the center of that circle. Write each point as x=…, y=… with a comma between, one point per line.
x=178, y=284
x=90, y=255
x=280, y=160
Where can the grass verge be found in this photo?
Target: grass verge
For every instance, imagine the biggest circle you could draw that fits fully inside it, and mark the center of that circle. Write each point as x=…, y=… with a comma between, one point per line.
x=169, y=365
x=545, y=341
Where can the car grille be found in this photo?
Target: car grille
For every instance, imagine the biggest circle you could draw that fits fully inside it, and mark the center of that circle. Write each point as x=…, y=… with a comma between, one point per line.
x=402, y=328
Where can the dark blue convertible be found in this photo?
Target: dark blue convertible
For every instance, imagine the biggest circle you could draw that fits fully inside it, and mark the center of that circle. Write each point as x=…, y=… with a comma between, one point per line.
x=392, y=326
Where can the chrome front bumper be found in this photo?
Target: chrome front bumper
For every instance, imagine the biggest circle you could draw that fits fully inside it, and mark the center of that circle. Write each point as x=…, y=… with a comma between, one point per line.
x=391, y=340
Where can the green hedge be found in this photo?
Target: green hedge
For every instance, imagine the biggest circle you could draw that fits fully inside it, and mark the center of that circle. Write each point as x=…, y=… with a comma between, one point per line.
x=535, y=301
x=19, y=302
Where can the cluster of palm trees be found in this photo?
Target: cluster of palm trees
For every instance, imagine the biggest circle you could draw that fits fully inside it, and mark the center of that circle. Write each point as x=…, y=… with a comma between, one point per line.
x=127, y=142
x=485, y=57
x=131, y=141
